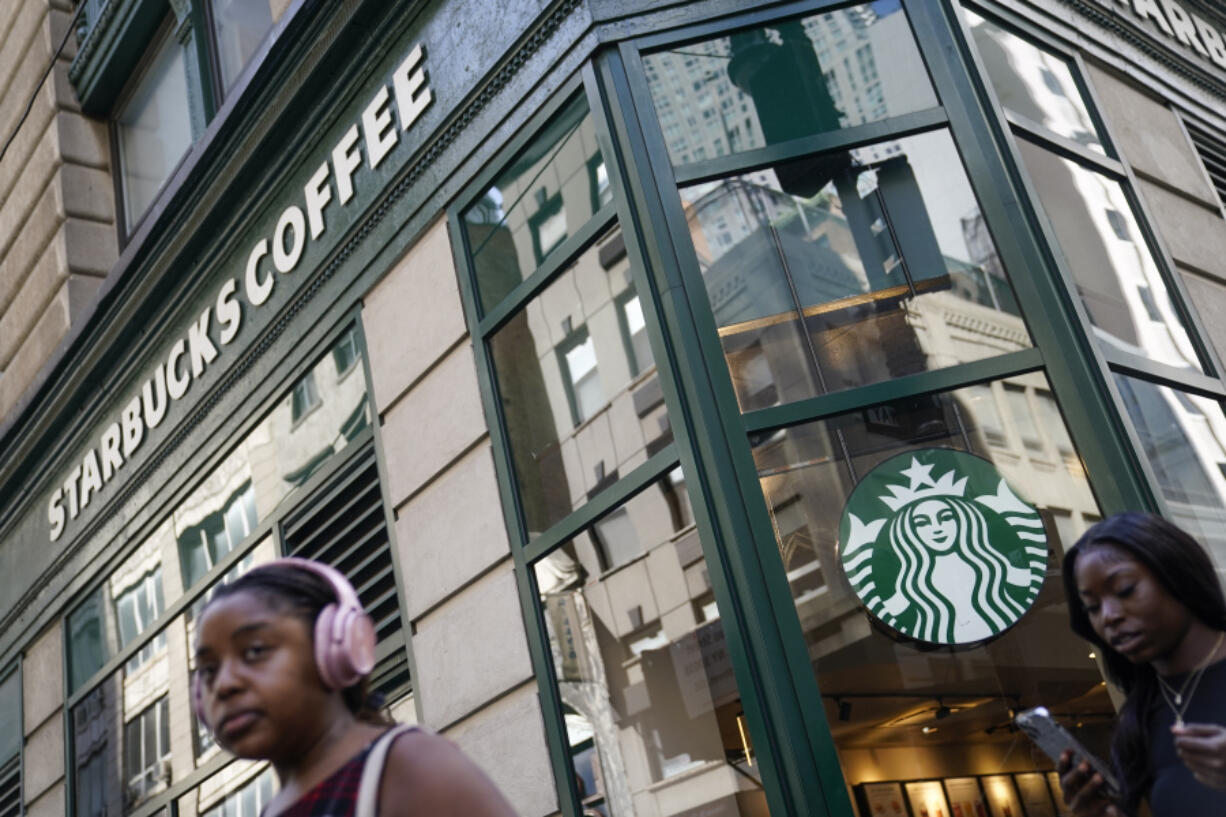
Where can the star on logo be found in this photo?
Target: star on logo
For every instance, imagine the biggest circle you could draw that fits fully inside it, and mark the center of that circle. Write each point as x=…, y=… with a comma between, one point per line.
x=922, y=486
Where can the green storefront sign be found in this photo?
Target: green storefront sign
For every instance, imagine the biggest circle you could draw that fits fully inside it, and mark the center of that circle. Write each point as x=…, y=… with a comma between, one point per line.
x=940, y=549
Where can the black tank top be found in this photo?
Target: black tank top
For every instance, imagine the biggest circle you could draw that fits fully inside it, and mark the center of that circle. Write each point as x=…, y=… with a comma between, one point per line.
x=1176, y=793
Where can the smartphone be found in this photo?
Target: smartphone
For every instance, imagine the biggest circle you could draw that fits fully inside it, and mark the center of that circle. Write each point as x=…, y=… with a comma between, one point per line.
x=1054, y=739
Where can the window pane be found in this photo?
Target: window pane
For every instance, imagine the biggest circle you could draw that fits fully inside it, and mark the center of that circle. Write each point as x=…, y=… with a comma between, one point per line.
x=154, y=129
x=898, y=708
x=786, y=80
x=135, y=720
x=239, y=27
x=1116, y=275
x=1184, y=438
x=850, y=268
x=1033, y=83
x=654, y=716
x=576, y=413
x=548, y=192
x=218, y=516
x=241, y=789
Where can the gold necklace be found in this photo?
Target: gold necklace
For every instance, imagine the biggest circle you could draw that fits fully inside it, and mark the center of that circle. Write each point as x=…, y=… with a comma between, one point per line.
x=1174, y=698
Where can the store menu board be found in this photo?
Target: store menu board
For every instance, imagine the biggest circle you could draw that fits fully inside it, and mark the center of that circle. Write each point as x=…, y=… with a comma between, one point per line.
x=927, y=799
x=883, y=799
x=1057, y=794
x=965, y=799
x=1036, y=797
x=1002, y=796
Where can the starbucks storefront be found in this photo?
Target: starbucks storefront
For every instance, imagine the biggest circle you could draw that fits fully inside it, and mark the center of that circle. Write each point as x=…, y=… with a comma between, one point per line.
x=910, y=329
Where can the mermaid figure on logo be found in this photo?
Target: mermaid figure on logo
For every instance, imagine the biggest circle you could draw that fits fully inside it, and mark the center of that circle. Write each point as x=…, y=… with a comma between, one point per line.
x=951, y=572
x=938, y=569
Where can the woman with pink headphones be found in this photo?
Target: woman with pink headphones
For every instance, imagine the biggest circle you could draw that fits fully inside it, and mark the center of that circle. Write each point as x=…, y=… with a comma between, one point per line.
x=283, y=658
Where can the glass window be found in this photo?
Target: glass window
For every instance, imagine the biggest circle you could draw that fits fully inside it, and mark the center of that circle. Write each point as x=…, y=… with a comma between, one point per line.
x=653, y=714
x=786, y=80
x=635, y=329
x=147, y=741
x=239, y=28
x=153, y=128
x=898, y=709
x=850, y=268
x=1034, y=83
x=223, y=511
x=1023, y=417
x=1183, y=436
x=547, y=192
x=135, y=732
x=242, y=789
x=575, y=411
x=1117, y=276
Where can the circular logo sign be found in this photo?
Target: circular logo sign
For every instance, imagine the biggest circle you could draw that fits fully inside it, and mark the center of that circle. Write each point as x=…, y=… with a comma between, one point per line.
x=940, y=548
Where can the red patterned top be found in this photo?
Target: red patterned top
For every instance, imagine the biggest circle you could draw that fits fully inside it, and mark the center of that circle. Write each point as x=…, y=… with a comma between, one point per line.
x=335, y=796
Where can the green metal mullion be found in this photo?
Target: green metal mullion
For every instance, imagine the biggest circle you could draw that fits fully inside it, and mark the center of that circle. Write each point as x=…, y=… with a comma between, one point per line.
x=786, y=719
x=539, y=651
x=556, y=736
x=202, y=36
x=966, y=374
x=626, y=487
x=894, y=127
x=1044, y=287
x=1027, y=129
x=1181, y=379
x=558, y=262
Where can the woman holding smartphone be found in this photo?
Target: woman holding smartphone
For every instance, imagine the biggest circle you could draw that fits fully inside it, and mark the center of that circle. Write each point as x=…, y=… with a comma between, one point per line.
x=1149, y=597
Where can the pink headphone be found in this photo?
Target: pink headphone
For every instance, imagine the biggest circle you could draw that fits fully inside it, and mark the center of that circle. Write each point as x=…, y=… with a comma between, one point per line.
x=344, y=634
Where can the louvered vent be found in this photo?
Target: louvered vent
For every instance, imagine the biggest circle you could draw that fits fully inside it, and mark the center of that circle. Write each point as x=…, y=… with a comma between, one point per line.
x=1212, y=150
x=10, y=788
x=343, y=524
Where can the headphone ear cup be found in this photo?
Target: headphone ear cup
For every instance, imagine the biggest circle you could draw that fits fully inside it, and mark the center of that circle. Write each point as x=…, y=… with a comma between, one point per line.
x=326, y=646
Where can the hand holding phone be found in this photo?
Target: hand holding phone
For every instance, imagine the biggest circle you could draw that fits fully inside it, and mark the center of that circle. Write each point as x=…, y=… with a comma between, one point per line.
x=1056, y=741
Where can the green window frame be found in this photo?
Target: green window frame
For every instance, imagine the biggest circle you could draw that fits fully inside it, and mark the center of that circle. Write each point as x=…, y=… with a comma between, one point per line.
x=1117, y=364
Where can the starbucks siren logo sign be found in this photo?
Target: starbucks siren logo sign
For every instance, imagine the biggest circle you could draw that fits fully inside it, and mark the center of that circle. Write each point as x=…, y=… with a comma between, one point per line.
x=939, y=547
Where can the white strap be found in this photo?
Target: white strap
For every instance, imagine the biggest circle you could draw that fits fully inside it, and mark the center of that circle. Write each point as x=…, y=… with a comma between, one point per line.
x=372, y=771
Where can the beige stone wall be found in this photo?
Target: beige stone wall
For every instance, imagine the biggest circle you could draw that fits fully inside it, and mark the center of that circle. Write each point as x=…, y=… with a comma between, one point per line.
x=474, y=678
x=57, y=210
x=1172, y=181
x=43, y=716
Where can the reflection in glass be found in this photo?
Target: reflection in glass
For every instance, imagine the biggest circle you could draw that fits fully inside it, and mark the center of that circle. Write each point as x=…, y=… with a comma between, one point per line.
x=789, y=79
x=241, y=789
x=548, y=192
x=154, y=129
x=652, y=710
x=578, y=411
x=898, y=710
x=1124, y=294
x=878, y=267
x=135, y=732
x=239, y=28
x=1183, y=437
x=1034, y=83
x=275, y=457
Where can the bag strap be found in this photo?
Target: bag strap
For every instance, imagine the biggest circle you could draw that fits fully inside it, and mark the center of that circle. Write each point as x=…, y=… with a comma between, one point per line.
x=372, y=770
